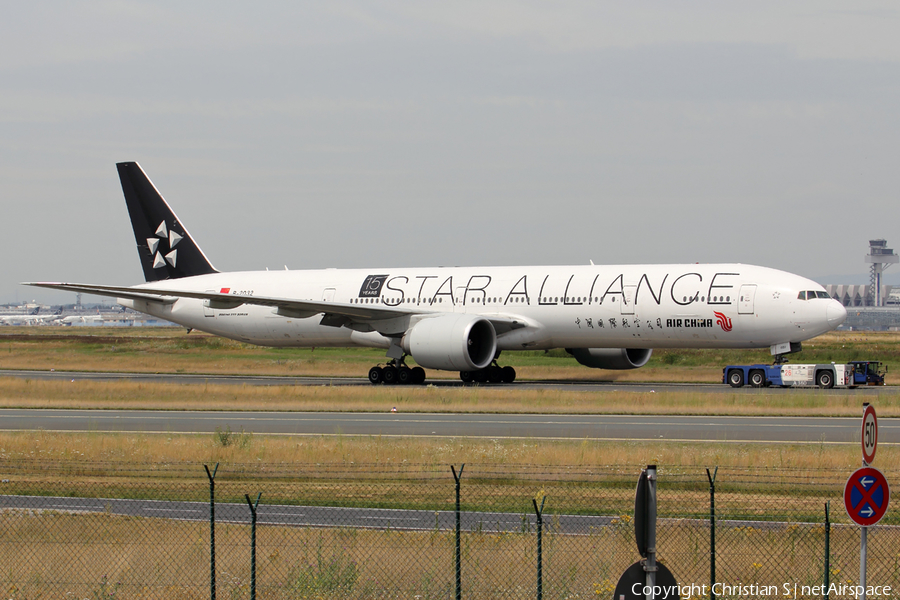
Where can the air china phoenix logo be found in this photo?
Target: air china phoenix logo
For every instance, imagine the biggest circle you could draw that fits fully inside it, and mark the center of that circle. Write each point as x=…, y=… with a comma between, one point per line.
x=723, y=321
x=164, y=236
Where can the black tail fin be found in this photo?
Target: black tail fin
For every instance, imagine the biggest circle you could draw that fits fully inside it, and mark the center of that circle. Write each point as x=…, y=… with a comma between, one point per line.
x=166, y=248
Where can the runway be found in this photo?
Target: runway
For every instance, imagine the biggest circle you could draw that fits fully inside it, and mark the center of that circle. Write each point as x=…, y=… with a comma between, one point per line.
x=573, y=386
x=562, y=427
x=308, y=516
x=806, y=430
x=333, y=516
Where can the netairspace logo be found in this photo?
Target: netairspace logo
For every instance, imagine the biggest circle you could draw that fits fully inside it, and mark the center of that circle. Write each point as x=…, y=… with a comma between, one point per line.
x=785, y=590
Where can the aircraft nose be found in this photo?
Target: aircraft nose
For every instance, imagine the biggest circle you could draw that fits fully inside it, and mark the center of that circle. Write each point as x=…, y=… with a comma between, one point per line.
x=835, y=313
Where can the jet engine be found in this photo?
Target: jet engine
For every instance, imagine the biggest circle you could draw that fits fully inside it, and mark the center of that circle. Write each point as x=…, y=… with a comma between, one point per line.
x=611, y=358
x=454, y=342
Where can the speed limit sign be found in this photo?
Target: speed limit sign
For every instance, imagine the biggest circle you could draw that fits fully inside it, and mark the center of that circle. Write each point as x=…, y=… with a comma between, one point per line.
x=869, y=434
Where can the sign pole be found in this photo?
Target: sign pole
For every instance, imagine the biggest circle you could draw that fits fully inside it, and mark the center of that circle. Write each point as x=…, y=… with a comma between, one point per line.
x=869, y=440
x=862, y=563
x=650, y=568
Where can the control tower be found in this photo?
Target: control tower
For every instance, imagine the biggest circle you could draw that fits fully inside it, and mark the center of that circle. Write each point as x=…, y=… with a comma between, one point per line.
x=880, y=258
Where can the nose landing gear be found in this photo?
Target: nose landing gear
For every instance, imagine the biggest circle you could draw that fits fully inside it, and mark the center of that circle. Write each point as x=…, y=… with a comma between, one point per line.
x=397, y=373
x=490, y=374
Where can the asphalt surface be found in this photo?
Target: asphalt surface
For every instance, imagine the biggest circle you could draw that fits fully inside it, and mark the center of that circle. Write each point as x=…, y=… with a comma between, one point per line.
x=575, y=385
x=491, y=426
x=331, y=516
x=593, y=427
x=305, y=516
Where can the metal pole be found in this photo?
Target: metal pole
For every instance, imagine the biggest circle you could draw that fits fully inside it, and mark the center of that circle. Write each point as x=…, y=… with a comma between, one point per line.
x=212, y=530
x=865, y=530
x=827, y=549
x=253, y=506
x=540, y=530
x=862, y=562
x=457, y=477
x=650, y=567
x=712, y=532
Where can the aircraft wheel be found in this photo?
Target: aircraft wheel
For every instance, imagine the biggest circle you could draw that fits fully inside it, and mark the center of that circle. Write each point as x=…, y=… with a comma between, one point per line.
x=757, y=379
x=508, y=374
x=825, y=380
x=376, y=375
x=466, y=376
x=480, y=376
x=418, y=375
x=390, y=375
x=494, y=374
x=404, y=376
x=736, y=378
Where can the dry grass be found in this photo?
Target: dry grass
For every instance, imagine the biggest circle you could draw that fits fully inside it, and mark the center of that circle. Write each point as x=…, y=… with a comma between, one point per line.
x=121, y=557
x=139, y=451
x=25, y=393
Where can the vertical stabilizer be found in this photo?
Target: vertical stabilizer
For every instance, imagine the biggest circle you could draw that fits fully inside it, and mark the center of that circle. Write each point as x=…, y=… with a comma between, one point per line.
x=165, y=247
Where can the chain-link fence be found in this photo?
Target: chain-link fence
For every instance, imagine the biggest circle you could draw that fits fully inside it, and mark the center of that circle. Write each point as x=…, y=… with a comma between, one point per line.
x=71, y=530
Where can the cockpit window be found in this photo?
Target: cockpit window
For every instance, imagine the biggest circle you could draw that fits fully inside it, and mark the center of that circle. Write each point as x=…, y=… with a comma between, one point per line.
x=812, y=295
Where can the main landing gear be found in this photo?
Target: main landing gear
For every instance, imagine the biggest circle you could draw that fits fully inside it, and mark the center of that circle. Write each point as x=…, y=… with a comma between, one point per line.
x=491, y=374
x=397, y=373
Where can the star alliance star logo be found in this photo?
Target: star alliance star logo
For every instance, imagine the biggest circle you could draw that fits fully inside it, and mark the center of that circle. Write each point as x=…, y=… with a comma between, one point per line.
x=165, y=235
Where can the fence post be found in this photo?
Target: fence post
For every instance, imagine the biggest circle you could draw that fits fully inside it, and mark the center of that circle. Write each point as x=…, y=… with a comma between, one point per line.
x=253, y=506
x=457, y=477
x=540, y=530
x=827, y=548
x=212, y=530
x=712, y=531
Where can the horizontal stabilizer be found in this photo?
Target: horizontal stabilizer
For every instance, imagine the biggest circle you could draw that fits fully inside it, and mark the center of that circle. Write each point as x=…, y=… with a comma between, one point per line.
x=333, y=311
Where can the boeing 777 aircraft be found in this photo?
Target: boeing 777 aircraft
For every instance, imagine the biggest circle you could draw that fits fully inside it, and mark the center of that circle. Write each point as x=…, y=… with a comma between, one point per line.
x=460, y=319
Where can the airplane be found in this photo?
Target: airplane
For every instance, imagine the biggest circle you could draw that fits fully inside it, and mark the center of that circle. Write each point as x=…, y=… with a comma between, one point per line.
x=462, y=318
x=83, y=319
x=32, y=318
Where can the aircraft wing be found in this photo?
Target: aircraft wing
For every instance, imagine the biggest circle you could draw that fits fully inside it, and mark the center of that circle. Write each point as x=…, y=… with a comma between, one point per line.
x=335, y=313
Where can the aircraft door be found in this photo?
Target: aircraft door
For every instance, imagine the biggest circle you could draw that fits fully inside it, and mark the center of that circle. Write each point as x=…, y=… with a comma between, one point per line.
x=746, y=299
x=328, y=295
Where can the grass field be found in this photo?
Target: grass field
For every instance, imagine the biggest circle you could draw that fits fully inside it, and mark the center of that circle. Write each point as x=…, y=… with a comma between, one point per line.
x=168, y=558
x=340, y=563
x=123, y=451
x=172, y=350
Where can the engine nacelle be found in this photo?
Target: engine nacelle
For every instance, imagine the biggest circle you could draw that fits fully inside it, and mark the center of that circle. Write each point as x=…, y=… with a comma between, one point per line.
x=611, y=358
x=454, y=342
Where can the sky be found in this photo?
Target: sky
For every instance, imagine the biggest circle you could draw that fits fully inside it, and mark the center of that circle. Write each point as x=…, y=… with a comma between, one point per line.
x=399, y=134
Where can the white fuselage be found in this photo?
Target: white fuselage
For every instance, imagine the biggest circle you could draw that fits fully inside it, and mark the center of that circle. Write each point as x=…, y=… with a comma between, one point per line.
x=602, y=306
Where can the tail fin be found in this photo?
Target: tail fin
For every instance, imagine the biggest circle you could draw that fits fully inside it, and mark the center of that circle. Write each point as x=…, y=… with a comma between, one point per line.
x=165, y=247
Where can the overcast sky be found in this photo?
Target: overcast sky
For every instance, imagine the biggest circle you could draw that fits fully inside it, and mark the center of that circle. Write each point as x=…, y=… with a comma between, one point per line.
x=360, y=134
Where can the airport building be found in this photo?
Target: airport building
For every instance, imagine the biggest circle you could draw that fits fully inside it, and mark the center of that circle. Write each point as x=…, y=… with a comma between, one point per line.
x=874, y=306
